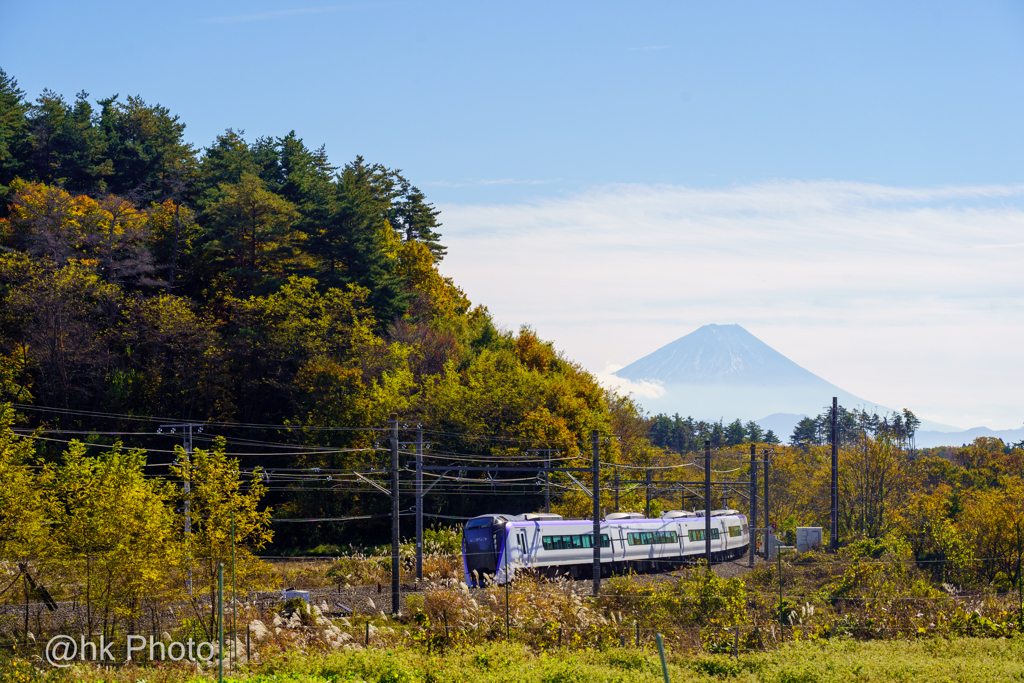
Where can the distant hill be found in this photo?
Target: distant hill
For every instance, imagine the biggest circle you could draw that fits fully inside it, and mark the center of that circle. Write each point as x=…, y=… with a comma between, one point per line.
x=782, y=424
x=930, y=439
x=725, y=372
x=721, y=354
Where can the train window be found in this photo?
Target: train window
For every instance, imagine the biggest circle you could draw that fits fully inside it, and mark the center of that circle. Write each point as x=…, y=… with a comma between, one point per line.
x=698, y=534
x=651, y=537
x=573, y=542
x=735, y=531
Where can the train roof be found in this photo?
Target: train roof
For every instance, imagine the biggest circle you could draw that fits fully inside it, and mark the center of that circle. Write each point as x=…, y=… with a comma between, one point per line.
x=550, y=519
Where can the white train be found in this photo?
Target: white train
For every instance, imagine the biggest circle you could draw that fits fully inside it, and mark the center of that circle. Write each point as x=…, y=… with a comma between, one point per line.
x=496, y=546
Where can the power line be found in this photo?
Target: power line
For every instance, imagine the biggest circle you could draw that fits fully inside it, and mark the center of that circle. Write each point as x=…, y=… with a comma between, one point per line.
x=211, y=423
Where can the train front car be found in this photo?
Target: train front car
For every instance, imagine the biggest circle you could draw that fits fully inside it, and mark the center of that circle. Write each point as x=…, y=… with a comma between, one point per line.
x=483, y=541
x=496, y=546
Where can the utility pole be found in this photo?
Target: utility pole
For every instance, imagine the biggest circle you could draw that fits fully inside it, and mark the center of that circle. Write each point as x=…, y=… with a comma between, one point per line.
x=395, y=568
x=753, y=501
x=419, y=502
x=186, y=432
x=647, y=476
x=767, y=522
x=546, y=470
x=596, y=447
x=833, y=541
x=707, y=502
x=547, y=484
x=616, y=489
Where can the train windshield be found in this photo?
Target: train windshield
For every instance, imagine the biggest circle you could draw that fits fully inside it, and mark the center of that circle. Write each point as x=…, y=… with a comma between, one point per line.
x=483, y=545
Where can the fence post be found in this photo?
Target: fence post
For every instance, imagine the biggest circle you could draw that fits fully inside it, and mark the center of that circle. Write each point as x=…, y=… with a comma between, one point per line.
x=220, y=622
x=638, y=633
x=234, y=602
x=661, y=653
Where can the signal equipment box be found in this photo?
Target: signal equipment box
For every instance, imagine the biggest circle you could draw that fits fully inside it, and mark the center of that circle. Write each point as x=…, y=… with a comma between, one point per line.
x=808, y=538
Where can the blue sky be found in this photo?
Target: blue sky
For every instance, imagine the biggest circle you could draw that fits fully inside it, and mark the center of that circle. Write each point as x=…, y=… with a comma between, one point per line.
x=541, y=128
x=551, y=97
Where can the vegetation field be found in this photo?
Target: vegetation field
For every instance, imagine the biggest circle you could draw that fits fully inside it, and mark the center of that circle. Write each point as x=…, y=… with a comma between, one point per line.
x=924, y=660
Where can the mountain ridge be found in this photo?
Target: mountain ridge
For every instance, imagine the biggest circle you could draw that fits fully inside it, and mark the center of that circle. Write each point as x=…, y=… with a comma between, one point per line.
x=724, y=371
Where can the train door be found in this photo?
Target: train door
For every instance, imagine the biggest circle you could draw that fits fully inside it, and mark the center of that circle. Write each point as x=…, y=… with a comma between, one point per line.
x=680, y=531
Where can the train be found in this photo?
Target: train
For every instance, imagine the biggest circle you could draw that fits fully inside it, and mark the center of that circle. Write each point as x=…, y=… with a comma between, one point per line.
x=495, y=547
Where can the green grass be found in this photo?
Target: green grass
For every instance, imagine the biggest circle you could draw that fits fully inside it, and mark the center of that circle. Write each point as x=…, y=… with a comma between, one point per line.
x=925, y=660
x=962, y=659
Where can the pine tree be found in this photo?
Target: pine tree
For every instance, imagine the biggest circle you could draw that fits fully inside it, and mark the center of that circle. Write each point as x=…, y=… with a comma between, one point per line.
x=145, y=147
x=411, y=215
x=14, y=141
x=352, y=243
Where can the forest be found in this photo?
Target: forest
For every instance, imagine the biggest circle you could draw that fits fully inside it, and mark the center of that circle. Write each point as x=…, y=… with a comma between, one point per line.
x=254, y=285
x=291, y=306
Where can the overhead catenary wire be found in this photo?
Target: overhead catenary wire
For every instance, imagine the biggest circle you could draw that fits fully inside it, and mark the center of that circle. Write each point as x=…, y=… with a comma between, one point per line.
x=212, y=423
x=160, y=450
x=465, y=458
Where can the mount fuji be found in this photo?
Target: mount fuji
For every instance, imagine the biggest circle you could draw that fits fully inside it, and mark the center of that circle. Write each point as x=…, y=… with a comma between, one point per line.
x=725, y=372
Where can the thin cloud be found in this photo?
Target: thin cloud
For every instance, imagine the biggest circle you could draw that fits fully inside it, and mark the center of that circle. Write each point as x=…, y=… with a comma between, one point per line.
x=906, y=296
x=624, y=387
